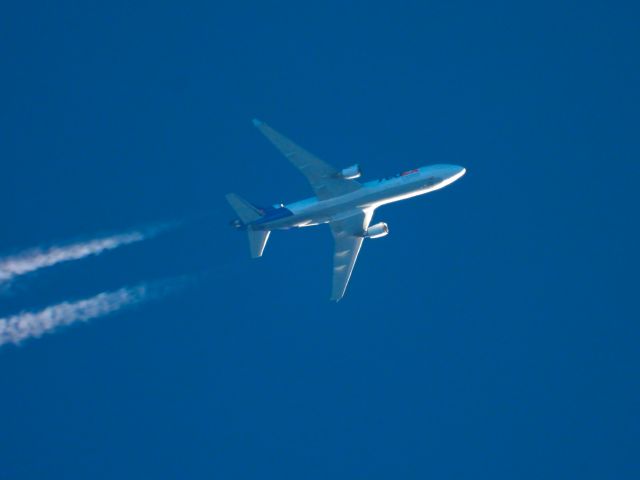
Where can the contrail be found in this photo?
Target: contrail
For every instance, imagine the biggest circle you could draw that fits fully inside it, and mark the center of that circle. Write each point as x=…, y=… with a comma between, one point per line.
x=25, y=325
x=37, y=258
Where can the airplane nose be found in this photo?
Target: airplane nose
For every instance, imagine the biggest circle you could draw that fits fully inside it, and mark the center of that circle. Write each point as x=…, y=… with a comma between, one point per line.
x=457, y=171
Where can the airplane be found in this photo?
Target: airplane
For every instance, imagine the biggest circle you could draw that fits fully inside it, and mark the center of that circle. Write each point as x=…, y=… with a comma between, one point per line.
x=342, y=202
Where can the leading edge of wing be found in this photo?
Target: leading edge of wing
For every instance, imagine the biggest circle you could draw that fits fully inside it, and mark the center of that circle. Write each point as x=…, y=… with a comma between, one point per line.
x=348, y=235
x=323, y=178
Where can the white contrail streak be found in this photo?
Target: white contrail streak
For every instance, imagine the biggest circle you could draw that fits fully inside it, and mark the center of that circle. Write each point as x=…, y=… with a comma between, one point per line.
x=37, y=258
x=25, y=325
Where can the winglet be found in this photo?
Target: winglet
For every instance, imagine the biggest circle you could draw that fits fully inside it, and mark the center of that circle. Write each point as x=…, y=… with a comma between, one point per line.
x=256, y=122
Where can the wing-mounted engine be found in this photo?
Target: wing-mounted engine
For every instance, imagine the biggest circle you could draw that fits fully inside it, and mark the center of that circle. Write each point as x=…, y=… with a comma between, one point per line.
x=376, y=231
x=350, y=173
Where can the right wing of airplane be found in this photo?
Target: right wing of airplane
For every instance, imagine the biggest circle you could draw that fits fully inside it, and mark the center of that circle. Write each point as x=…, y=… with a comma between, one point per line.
x=348, y=235
x=325, y=180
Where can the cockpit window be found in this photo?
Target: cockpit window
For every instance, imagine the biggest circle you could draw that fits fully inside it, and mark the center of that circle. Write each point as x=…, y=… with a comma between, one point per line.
x=432, y=181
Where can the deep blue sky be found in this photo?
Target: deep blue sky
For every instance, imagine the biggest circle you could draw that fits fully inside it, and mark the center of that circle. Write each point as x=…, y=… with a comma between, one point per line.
x=493, y=334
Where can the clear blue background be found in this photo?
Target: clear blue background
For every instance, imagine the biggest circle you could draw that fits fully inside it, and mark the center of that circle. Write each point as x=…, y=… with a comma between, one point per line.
x=493, y=334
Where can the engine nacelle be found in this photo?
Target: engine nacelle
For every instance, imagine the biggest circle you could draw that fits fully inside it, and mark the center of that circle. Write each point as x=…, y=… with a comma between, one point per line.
x=376, y=231
x=351, y=173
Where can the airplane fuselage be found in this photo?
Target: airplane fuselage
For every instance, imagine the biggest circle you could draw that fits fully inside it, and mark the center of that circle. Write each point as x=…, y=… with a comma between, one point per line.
x=345, y=204
x=313, y=211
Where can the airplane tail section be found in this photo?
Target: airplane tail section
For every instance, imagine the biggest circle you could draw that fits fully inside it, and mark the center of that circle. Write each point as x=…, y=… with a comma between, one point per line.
x=249, y=213
x=257, y=241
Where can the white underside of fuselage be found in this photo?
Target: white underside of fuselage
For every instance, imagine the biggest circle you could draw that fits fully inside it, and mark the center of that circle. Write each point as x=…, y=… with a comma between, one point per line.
x=372, y=195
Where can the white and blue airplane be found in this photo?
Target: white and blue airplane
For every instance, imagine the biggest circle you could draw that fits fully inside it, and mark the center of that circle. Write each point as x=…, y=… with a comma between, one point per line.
x=346, y=205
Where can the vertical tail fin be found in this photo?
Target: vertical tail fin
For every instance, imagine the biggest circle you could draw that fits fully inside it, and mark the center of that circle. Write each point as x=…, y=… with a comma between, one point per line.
x=248, y=213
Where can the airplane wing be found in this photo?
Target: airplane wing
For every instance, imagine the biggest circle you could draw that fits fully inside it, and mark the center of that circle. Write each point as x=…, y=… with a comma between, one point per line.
x=324, y=179
x=347, y=234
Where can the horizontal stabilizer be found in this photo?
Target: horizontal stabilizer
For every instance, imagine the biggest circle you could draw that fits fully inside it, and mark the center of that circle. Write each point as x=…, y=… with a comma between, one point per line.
x=257, y=241
x=247, y=212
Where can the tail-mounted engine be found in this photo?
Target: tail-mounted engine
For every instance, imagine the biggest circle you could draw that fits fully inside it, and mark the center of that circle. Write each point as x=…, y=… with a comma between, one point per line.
x=351, y=173
x=237, y=224
x=376, y=231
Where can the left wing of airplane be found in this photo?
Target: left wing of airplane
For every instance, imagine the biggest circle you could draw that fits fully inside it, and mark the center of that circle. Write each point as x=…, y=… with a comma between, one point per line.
x=348, y=234
x=326, y=181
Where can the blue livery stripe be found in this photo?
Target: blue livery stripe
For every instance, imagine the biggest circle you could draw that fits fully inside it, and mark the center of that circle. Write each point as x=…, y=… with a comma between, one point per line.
x=272, y=214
